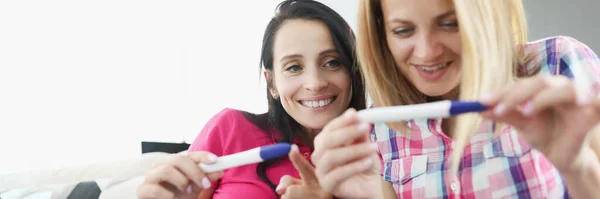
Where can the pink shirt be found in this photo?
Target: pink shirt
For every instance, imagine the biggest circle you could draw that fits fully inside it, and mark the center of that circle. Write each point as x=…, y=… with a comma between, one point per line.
x=230, y=132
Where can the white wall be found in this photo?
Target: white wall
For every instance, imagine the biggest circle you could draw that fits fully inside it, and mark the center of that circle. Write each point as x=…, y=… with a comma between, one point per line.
x=574, y=18
x=84, y=82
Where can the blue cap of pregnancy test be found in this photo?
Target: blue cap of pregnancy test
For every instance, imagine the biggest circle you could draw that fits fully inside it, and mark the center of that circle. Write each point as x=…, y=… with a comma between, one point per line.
x=274, y=151
x=459, y=107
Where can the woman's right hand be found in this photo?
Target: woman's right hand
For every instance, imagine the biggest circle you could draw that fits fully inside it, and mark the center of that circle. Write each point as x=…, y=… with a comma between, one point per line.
x=346, y=161
x=178, y=176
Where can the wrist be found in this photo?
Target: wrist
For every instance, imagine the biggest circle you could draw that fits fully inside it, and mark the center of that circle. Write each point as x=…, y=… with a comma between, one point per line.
x=585, y=164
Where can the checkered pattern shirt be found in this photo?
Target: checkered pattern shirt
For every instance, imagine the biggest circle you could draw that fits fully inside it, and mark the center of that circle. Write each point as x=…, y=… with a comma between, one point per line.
x=502, y=167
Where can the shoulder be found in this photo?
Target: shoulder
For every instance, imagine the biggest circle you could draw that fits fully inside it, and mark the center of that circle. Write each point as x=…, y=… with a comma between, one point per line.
x=562, y=55
x=224, y=130
x=561, y=51
x=555, y=44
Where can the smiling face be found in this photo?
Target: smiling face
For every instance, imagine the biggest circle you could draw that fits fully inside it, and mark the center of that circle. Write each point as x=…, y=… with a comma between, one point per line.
x=308, y=76
x=423, y=38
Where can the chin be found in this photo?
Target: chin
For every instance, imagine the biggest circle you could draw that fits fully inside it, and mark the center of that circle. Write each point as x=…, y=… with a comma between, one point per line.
x=435, y=90
x=315, y=124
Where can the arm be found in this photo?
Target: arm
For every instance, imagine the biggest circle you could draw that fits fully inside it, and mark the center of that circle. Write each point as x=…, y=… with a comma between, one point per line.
x=584, y=182
x=585, y=65
x=387, y=190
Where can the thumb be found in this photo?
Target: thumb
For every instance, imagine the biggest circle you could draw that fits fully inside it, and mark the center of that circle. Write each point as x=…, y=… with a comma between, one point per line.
x=305, y=169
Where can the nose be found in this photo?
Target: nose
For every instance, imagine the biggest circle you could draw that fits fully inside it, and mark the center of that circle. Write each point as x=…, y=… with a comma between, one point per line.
x=315, y=80
x=428, y=47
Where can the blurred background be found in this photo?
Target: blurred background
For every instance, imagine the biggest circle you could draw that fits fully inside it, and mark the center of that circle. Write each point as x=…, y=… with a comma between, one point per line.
x=86, y=82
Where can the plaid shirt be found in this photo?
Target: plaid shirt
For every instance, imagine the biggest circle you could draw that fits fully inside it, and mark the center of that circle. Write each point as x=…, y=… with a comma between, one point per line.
x=502, y=167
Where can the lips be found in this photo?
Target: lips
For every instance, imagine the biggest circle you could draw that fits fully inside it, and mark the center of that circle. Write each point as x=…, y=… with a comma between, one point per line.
x=433, y=72
x=317, y=103
x=433, y=68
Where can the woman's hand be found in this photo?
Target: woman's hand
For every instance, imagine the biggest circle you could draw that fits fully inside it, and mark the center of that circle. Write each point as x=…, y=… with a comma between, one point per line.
x=346, y=162
x=178, y=176
x=307, y=187
x=552, y=115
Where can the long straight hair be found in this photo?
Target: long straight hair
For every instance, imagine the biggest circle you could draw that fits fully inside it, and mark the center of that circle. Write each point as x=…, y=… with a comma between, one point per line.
x=277, y=122
x=492, y=32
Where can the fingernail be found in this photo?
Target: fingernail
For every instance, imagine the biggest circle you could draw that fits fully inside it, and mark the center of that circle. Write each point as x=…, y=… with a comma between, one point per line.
x=205, y=183
x=362, y=127
x=212, y=158
x=499, y=109
x=485, y=98
x=189, y=189
x=278, y=187
x=295, y=148
x=527, y=108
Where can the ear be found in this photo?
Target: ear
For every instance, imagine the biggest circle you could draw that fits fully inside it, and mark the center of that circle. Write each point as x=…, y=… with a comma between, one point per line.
x=270, y=85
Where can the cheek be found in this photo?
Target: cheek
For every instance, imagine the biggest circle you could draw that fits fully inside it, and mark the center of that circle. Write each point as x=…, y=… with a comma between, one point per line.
x=400, y=49
x=344, y=83
x=454, y=43
x=286, y=88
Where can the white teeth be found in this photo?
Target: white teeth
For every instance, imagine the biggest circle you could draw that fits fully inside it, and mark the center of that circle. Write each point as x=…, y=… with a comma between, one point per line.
x=317, y=104
x=433, y=68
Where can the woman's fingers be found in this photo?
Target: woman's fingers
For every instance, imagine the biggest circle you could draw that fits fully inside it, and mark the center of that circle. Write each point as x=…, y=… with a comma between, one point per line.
x=305, y=169
x=515, y=96
x=286, y=181
x=302, y=192
x=560, y=94
x=206, y=158
x=154, y=191
x=337, y=157
x=348, y=117
x=190, y=169
x=339, y=137
x=167, y=174
x=329, y=181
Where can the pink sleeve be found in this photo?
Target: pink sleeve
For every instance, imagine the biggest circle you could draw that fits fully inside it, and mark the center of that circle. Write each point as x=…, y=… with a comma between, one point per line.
x=215, y=134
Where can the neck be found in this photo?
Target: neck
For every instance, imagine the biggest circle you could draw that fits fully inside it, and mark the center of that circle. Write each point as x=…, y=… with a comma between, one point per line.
x=307, y=136
x=451, y=95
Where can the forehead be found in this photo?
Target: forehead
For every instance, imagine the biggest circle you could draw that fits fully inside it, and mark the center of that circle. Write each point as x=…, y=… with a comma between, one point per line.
x=300, y=36
x=411, y=9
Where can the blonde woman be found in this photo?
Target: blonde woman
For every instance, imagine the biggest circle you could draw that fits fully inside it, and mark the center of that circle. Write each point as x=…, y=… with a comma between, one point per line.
x=538, y=140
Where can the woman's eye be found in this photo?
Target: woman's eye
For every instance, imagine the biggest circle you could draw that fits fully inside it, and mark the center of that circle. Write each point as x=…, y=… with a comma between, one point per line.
x=293, y=68
x=452, y=24
x=403, y=31
x=333, y=64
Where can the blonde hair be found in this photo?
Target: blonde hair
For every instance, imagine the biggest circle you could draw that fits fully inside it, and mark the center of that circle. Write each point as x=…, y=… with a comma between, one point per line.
x=490, y=31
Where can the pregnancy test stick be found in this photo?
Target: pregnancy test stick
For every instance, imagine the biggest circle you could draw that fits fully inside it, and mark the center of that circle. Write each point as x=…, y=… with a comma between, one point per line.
x=255, y=155
x=441, y=109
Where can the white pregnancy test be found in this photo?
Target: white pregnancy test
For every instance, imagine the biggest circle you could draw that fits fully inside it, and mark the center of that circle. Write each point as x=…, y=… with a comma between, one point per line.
x=440, y=109
x=255, y=155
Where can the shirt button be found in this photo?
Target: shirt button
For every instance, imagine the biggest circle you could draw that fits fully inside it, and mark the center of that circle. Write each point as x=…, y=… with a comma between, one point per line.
x=306, y=154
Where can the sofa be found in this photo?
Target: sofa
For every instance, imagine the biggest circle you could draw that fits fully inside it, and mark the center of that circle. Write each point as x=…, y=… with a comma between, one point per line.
x=117, y=179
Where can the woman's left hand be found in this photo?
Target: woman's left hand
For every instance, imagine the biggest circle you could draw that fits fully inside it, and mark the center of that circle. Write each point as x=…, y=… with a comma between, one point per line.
x=551, y=115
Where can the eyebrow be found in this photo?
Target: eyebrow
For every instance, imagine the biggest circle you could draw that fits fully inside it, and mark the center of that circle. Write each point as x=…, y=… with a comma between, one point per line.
x=447, y=14
x=333, y=50
x=440, y=17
